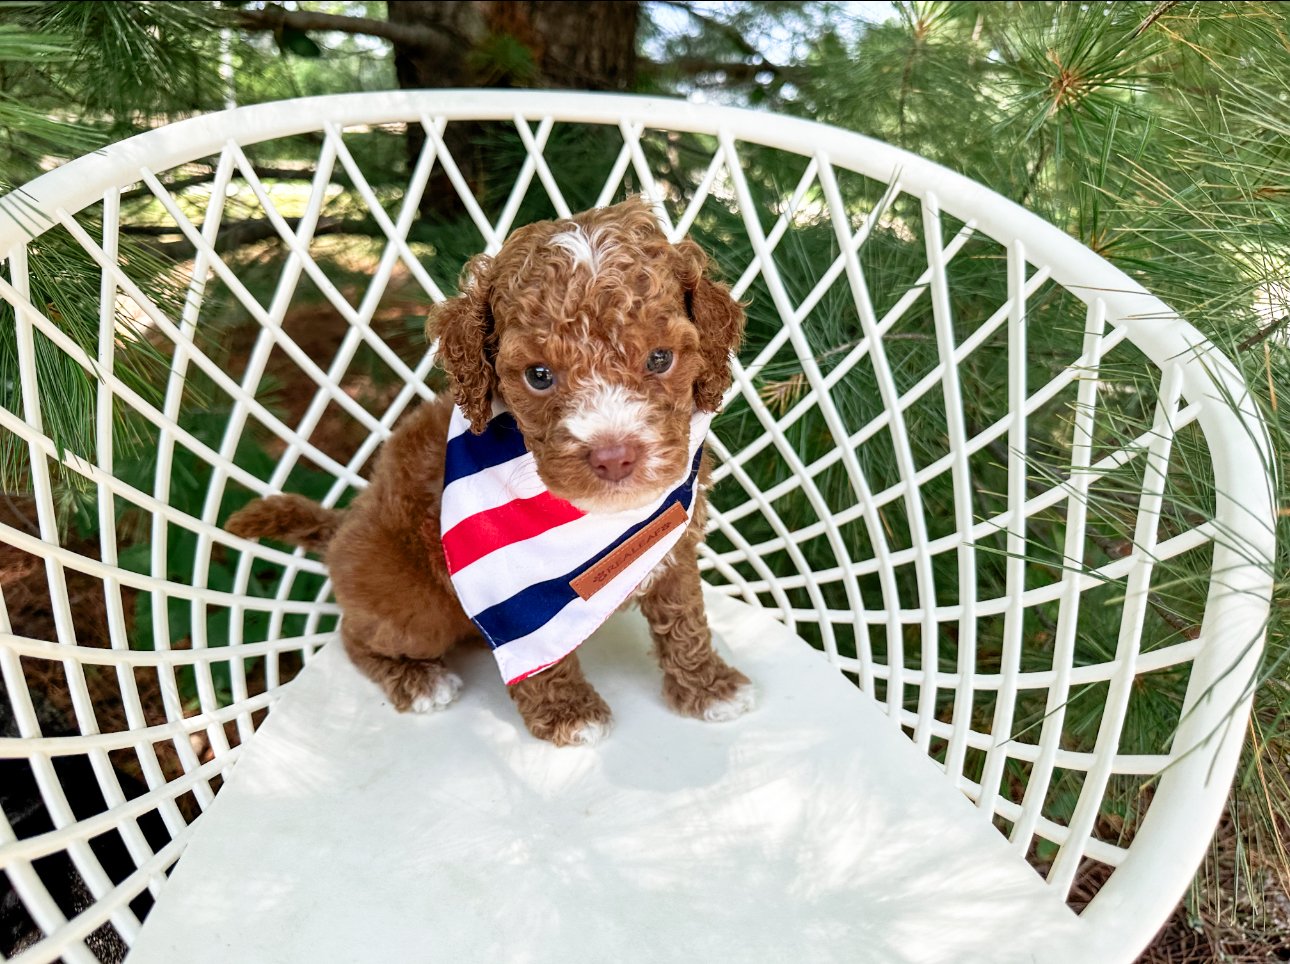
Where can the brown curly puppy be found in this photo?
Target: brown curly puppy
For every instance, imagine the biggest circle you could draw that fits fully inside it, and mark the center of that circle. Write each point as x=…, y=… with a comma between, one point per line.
x=602, y=339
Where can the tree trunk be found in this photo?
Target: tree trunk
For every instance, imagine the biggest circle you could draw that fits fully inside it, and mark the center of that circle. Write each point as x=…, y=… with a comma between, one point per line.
x=588, y=46
x=509, y=43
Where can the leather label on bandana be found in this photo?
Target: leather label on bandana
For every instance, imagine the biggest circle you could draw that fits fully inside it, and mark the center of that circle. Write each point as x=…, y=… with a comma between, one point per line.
x=602, y=573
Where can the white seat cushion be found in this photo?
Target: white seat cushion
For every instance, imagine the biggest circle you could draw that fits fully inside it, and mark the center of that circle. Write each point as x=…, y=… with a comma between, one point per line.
x=809, y=830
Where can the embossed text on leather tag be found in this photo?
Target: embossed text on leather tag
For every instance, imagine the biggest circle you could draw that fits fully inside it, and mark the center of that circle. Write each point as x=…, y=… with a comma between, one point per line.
x=603, y=572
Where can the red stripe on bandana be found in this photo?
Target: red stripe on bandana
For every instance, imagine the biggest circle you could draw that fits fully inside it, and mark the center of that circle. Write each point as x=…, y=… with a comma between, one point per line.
x=476, y=536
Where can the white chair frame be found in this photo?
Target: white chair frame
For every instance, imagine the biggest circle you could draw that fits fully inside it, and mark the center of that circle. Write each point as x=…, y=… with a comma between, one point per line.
x=1196, y=384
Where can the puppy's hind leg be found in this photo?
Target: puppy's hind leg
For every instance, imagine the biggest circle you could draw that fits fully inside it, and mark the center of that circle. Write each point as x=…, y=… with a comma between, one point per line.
x=410, y=684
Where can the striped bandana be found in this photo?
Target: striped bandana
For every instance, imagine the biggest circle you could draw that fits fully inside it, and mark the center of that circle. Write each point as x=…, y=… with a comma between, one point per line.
x=535, y=574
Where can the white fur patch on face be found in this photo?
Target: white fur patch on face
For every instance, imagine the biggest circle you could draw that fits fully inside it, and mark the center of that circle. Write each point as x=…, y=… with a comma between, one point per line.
x=610, y=413
x=585, y=249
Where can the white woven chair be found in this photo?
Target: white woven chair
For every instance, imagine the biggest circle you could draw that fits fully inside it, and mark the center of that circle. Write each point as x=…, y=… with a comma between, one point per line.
x=882, y=802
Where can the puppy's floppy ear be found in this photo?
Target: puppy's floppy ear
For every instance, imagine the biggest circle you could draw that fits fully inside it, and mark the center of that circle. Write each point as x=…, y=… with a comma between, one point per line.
x=468, y=342
x=719, y=318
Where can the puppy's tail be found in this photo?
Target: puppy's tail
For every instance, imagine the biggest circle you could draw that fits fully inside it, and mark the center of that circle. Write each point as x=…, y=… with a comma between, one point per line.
x=292, y=519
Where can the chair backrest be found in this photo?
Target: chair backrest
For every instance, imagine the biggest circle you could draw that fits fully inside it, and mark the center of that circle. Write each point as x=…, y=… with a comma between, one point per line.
x=952, y=459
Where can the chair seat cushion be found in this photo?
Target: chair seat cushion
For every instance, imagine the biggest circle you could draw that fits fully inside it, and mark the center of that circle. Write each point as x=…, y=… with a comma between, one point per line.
x=808, y=830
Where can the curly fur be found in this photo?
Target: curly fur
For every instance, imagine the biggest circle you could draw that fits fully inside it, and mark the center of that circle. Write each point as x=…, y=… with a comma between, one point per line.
x=561, y=706
x=287, y=518
x=593, y=324
x=590, y=298
x=468, y=342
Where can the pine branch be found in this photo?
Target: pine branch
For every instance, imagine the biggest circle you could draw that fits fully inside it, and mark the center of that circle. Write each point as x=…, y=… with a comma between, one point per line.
x=905, y=76
x=1114, y=548
x=736, y=71
x=440, y=39
x=1160, y=10
x=725, y=29
x=1036, y=168
x=1263, y=334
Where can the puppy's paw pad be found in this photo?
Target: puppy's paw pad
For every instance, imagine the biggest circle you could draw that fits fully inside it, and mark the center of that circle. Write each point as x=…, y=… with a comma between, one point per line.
x=721, y=711
x=442, y=692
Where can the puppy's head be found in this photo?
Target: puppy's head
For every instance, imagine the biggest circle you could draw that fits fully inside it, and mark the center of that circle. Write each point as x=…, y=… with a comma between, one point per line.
x=602, y=339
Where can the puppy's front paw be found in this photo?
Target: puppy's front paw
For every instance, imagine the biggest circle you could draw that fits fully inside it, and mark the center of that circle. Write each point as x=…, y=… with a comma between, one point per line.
x=418, y=685
x=561, y=707
x=713, y=691
x=743, y=700
x=589, y=733
x=583, y=721
x=443, y=689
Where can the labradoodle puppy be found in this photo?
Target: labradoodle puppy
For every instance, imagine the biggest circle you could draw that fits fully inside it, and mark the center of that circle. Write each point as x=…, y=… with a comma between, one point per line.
x=563, y=478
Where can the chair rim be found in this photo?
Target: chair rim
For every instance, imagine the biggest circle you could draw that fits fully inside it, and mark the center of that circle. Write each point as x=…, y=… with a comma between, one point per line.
x=1245, y=513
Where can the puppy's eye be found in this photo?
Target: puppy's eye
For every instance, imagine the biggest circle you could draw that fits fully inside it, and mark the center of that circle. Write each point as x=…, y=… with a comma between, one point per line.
x=659, y=361
x=539, y=377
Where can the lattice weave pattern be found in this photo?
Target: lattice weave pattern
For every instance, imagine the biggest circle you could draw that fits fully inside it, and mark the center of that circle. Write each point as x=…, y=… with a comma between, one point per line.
x=949, y=550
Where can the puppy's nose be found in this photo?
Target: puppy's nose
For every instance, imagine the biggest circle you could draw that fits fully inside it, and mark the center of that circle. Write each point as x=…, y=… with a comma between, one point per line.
x=613, y=463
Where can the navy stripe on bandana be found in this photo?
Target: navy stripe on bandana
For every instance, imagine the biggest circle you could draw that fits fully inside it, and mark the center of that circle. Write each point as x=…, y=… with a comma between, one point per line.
x=468, y=453
x=531, y=608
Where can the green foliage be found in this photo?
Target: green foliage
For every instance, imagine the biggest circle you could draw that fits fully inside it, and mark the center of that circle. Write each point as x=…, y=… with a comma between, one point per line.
x=501, y=60
x=293, y=41
x=264, y=68
x=76, y=76
x=1156, y=134
x=27, y=129
x=170, y=621
x=64, y=285
x=128, y=60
